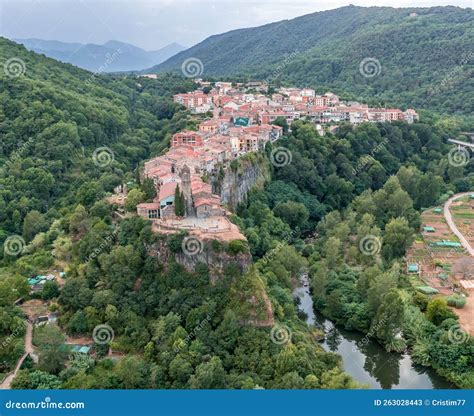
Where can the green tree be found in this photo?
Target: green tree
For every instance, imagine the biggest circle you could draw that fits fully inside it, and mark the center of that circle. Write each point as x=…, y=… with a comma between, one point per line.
x=179, y=205
x=397, y=238
x=35, y=380
x=50, y=290
x=134, y=197
x=34, y=223
x=149, y=189
x=294, y=214
x=51, y=348
x=209, y=375
x=281, y=121
x=387, y=324
x=438, y=310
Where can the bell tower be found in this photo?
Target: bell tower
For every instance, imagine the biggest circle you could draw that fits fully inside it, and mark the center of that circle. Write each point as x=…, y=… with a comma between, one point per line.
x=185, y=175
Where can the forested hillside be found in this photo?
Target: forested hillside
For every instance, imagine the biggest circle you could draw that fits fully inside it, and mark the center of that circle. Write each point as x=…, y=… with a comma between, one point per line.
x=53, y=118
x=423, y=61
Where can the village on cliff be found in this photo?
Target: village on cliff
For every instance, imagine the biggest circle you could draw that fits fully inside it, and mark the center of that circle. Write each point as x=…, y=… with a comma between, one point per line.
x=243, y=118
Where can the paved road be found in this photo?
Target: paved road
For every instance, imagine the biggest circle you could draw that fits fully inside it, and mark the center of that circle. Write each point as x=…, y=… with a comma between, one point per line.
x=28, y=349
x=452, y=225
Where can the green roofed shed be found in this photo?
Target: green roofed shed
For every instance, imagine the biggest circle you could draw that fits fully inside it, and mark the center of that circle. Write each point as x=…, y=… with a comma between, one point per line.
x=437, y=210
x=446, y=243
x=427, y=290
x=81, y=349
x=413, y=268
x=84, y=349
x=428, y=229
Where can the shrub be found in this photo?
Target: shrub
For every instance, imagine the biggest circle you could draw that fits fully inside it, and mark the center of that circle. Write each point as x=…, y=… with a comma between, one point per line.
x=175, y=242
x=236, y=247
x=421, y=300
x=216, y=246
x=456, y=301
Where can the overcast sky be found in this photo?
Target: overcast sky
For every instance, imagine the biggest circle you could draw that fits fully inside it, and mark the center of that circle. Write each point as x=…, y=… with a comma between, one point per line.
x=155, y=23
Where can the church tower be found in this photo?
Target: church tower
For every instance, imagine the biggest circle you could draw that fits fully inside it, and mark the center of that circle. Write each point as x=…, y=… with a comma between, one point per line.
x=185, y=175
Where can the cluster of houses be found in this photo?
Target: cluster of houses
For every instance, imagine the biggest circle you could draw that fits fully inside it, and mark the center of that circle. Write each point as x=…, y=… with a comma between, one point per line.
x=256, y=107
x=197, y=154
x=240, y=121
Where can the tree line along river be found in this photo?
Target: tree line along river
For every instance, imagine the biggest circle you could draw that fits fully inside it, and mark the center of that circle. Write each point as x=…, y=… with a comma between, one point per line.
x=365, y=359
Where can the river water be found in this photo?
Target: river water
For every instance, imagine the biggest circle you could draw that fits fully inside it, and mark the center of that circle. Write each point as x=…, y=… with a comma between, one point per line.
x=364, y=359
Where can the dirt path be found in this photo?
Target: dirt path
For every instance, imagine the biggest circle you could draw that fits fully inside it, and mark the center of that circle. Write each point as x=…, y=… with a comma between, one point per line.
x=452, y=225
x=28, y=349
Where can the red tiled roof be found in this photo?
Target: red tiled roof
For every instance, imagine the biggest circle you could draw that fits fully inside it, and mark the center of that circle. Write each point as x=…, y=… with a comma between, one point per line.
x=213, y=201
x=148, y=205
x=167, y=190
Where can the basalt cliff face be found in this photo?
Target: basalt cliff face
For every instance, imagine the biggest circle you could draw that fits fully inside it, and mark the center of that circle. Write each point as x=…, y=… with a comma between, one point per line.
x=234, y=182
x=215, y=255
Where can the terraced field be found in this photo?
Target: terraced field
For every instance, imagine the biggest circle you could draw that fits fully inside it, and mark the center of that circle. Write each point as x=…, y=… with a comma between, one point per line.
x=447, y=267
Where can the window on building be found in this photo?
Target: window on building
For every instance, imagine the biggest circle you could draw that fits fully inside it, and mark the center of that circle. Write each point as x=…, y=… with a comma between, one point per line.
x=153, y=213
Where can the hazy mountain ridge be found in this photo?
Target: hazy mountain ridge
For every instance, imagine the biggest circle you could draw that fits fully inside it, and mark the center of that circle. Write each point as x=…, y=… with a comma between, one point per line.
x=113, y=56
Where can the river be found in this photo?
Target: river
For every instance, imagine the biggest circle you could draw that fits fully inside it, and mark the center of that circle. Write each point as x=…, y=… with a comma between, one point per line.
x=364, y=359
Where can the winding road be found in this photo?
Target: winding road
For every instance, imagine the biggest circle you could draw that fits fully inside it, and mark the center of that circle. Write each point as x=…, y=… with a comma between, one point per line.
x=28, y=350
x=452, y=225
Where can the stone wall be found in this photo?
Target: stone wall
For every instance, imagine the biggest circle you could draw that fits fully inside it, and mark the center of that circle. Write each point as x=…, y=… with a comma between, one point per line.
x=237, y=179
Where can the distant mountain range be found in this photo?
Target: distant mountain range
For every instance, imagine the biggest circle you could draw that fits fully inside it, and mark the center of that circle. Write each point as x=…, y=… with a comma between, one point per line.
x=419, y=57
x=113, y=56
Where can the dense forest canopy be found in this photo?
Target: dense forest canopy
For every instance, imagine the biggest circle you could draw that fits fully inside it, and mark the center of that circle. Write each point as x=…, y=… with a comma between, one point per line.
x=52, y=119
x=422, y=57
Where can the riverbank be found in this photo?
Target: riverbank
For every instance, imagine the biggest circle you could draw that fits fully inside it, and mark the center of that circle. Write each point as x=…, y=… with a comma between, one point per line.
x=365, y=359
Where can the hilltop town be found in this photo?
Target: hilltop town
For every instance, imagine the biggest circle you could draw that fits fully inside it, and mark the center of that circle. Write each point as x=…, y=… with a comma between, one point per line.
x=243, y=118
x=159, y=231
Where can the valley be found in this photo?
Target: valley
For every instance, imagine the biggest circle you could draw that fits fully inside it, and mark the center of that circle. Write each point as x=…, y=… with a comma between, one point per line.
x=156, y=228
